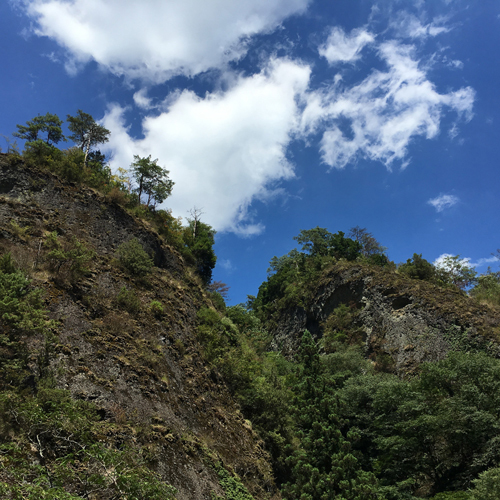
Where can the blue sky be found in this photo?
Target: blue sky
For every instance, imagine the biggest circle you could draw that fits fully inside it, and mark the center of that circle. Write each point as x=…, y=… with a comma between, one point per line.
x=280, y=115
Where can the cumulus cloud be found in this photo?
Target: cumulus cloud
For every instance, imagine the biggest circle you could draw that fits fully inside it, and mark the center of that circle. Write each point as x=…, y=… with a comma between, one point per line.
x=224, y=150
x=377, y=118
x=341, y=48
x=156, y=40
x=443, y=201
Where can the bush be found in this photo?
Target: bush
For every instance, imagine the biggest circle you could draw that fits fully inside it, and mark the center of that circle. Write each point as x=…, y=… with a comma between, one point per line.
x=487, y=486
x=156, y=308
x=68, y=258
x=128, y=300
x=418, y=268
x=134, y=259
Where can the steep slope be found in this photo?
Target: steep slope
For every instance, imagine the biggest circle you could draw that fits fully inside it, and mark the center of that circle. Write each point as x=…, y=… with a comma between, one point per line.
x=402, y=322
x=126, y=344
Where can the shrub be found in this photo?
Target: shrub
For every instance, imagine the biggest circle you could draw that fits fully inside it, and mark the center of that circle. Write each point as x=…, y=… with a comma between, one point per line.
x=69, y=258
x=128, y=300
x=418, y=268
x=134, y=259
x=156, y=308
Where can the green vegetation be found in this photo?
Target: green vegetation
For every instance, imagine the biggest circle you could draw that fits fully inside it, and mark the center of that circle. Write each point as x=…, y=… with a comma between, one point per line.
x=134, y=259
x=86, y=133
x=68, y=258
x=152, y=180
x=51, y=445
x=335, y=424
x=128, y=300
x=83, y=164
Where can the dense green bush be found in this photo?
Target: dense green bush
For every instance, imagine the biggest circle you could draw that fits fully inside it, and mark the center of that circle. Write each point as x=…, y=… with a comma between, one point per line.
x=22, y=313
x=134, y=259
x=418, y=268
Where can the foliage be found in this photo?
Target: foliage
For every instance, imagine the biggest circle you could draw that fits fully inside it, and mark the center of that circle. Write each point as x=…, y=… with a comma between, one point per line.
x=231, y=485
x=218, y=301
x=370, y=247
x=198, y=239
x=134, y=259
x=439, y=430
x=86, y=133
x=487, y=485
x=70, y=258
x=156, y=308
x=152, y=180
x=128, y=300
x=221, y=288
x=324, y=465
x=48, y=124
x=487, y=288
x=57, y=453
x=339, y=328
x=22, y=314
x=320, y=242
x=453, y=269
x=418, y=268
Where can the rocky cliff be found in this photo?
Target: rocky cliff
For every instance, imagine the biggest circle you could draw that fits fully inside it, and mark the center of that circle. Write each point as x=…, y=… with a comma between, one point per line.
x=141, y=367
x=402, y=322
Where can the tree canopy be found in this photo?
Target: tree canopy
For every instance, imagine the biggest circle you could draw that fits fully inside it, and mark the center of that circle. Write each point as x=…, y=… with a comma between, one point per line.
x=48, y=124
x=152, y=180
x=86, y=132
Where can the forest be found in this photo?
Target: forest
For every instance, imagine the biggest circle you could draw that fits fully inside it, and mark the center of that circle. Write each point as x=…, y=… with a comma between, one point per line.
x=338, y=417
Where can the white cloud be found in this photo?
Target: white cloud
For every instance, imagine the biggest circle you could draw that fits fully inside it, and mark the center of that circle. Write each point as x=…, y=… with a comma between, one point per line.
x=142, y=100
x=340, y=48
x=383, y=113
x=409, y=26
x=156, y=39
x=225, y=150
x=483, y=261
x=443, y=201
x=227, y=265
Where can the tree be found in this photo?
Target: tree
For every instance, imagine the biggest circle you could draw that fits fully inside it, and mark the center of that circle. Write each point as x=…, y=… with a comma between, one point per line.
x=86, y=132
x=219, y=287
x=453, y=269
x=418, y=268
x=320, y=242
x=314, y=241
x=152, y=180
x=199, y=241
x=48, y=124
x=369, y=245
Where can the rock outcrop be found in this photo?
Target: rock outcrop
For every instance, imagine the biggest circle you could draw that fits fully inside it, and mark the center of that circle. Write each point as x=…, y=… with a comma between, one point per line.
x=404, y=322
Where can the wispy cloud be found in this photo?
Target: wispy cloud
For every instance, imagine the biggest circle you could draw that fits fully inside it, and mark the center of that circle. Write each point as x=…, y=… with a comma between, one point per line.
x=383, y=113
x=443, y=201
x=485, y=261
x=342, y=48
x=226, y=264
x=407, y=25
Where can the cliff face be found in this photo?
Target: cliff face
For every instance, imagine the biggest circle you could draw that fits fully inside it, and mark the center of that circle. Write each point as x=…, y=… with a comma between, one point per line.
x=403, y=322
x=142, y=368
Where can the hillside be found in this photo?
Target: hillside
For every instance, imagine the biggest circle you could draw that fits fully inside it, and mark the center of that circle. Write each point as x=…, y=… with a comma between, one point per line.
x=401, y=322
x=123, y=377
x=138, y=365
